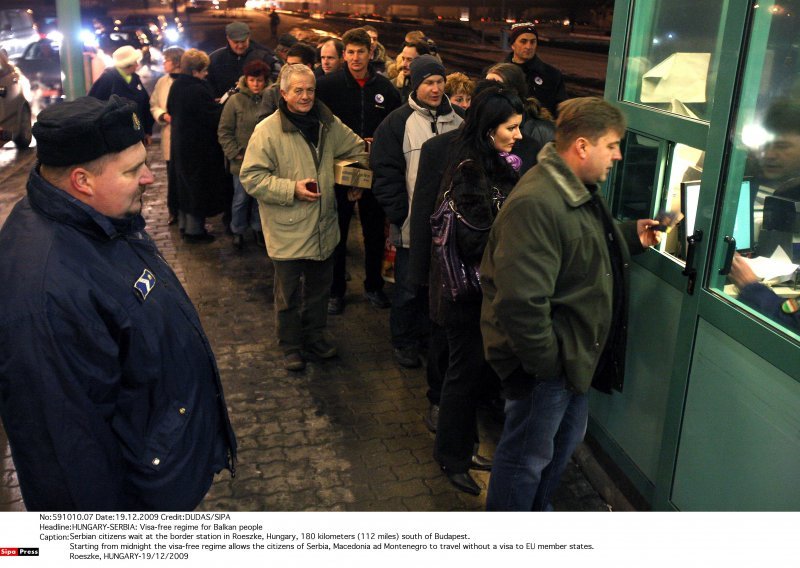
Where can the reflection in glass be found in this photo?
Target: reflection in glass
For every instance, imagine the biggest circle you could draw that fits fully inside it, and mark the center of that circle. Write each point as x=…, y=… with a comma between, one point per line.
x=761, y=207
x=672, y=55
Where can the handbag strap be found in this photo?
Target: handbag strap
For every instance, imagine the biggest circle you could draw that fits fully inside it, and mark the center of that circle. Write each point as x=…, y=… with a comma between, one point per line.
x=452, y=204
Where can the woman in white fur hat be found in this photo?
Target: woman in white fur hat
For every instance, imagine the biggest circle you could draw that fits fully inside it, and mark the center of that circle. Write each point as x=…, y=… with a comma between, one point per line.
x=122, y=80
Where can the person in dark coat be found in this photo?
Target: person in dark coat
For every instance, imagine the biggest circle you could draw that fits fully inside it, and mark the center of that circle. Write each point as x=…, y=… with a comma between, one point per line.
x=545, y=82
x=361, y=99
x=122, y=80
x=434, y=158
x=109, y=391
x=204, y=187
x=480, y=171
x=227, y=63
x=555, y=282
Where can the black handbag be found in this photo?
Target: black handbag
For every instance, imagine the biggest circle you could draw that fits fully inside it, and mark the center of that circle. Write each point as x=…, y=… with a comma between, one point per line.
x=460, y=281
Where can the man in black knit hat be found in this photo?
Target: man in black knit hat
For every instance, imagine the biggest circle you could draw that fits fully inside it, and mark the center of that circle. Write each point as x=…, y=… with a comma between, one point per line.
x=109, y=392
x=545, y=82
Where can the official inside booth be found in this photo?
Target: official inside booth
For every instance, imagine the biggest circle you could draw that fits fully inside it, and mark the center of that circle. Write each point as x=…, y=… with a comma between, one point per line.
x=709, y=418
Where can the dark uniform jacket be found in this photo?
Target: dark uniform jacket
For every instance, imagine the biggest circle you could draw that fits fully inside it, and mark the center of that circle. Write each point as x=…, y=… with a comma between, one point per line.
x=548, y=284
x=226, y=67
x=545, y=82
x=112, y=83
x=109, y=391
x=762, y=298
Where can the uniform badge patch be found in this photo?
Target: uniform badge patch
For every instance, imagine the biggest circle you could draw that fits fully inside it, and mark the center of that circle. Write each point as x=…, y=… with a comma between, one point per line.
x=379, y=98
x=538, y=80
x=145, y=284
x=136, y=124
x=790, y=306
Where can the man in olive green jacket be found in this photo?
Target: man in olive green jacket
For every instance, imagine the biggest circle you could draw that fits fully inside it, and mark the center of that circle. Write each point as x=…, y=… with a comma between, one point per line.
x=554, y=277
x=289, y=168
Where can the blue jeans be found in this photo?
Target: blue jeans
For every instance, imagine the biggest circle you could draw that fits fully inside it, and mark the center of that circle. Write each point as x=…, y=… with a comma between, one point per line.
x=539, y=435
x=244, y=210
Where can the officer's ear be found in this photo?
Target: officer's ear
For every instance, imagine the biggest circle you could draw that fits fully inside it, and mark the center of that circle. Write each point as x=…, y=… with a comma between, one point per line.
x=81, y=181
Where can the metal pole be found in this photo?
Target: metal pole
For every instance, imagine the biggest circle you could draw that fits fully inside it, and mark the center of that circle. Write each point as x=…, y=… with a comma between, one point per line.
x=71, y=53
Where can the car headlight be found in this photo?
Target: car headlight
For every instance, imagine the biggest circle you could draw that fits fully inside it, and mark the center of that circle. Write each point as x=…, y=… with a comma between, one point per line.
x=88, y=38
x=172, y=34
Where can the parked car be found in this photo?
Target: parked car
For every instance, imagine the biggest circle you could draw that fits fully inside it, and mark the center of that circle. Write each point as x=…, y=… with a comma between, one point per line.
x=41, y=65
x=15, y=104
x=17, y=31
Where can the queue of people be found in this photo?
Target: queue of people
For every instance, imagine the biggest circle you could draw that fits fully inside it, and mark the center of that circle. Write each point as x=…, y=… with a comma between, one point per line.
x=263, y=151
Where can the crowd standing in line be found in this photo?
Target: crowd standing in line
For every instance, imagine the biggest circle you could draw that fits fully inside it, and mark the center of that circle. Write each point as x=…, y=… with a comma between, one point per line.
x=436, y=139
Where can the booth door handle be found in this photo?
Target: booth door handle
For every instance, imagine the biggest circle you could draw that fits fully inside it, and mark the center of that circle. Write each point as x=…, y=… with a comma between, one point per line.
x=726, y=268
x=689, y=270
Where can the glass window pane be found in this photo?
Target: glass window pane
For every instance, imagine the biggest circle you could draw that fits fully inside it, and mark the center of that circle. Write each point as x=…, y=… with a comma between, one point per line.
x=673, y=54
x=681, y=198
x=637, y=177
x=761, y=200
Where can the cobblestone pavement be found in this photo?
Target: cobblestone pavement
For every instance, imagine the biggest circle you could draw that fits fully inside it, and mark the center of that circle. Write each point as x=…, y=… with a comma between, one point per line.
x=345, y=435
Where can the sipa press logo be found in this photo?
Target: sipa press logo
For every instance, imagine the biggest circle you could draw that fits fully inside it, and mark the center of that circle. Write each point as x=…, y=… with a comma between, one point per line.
x=19, y=552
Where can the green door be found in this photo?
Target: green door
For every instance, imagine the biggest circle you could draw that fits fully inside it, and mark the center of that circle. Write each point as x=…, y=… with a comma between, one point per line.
x=675, y=72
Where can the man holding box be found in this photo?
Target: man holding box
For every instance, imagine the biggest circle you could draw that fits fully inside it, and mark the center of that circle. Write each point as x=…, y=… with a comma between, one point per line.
x=289, y=168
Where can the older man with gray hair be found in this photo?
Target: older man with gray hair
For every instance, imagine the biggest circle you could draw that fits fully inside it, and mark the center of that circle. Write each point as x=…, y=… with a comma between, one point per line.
x=288, y=167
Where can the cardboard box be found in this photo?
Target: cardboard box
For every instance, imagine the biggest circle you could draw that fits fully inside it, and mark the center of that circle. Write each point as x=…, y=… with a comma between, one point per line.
x=353, y=174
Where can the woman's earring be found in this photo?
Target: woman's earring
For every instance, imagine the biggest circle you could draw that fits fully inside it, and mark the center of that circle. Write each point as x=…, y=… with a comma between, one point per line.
x=491, y=138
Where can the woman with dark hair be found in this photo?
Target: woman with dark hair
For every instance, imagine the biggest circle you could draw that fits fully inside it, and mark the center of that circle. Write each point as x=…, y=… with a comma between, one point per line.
x=203, y=186
x=537, y=124
x=481, y=171
x=242, y=111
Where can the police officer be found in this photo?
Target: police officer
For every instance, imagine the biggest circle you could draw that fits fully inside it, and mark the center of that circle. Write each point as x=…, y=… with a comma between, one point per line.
x=109, y=391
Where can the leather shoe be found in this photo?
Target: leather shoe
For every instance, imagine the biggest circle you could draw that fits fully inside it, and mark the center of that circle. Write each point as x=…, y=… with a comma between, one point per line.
x=407, y=357
x=335, y=306
x=322, y=349
x=431, y=418
x=463, y=482
x=238, y=241
x=378, y=299
x=294, y=361
x=480, y=463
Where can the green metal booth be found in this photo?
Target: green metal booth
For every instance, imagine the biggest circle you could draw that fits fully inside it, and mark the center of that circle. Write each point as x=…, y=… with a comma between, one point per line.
x=709, y=418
